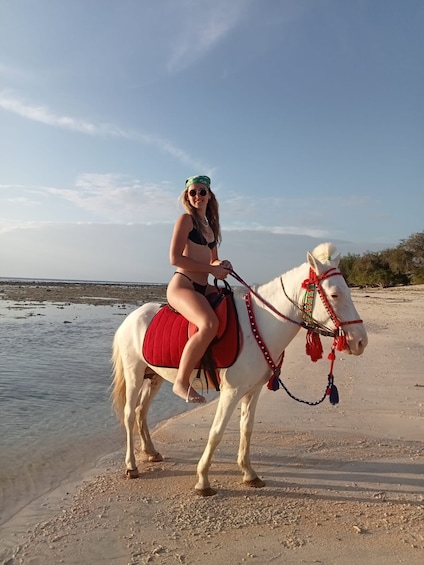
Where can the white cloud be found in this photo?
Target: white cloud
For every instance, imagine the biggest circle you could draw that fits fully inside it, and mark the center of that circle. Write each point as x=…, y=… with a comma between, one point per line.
x=112, y=198
x=284, y=230
x=117, y=198
x=21, y=201
x=45, y=116
x=109, y=198
x=41, y=114
x=202, y=27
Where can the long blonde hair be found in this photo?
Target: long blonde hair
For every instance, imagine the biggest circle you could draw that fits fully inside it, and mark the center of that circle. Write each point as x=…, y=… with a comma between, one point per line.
x=212, y=213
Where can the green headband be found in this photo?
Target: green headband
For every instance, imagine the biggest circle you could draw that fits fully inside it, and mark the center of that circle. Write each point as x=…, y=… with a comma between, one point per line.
x=198, y=180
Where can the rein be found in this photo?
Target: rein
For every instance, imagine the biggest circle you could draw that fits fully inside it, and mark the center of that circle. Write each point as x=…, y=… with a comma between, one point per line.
x=313, y=327
x=265, y=302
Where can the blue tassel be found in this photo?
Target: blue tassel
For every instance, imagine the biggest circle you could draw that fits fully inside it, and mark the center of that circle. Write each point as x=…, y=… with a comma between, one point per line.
x=334, y=395
x=273, y=383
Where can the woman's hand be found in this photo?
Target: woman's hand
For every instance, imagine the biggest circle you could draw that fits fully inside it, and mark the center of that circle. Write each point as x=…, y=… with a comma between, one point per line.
x=221, y=271
x=227, y=264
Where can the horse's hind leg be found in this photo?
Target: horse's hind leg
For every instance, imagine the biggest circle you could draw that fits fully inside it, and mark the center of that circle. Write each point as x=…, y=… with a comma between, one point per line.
x=151, y=385
x=134, y=381
x=247, y=418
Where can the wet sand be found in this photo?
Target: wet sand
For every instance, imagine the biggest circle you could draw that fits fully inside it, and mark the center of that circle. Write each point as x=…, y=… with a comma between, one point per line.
x=81, y=293
x=344, y=484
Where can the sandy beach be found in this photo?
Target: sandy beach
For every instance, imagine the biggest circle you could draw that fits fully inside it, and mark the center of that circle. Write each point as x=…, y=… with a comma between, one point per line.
x=344, y=484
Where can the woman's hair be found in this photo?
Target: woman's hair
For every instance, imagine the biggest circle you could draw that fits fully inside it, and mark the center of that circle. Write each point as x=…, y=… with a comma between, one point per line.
x=212, y=213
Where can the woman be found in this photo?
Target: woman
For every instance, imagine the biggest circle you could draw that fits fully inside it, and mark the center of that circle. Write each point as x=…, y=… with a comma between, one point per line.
x=194, y=253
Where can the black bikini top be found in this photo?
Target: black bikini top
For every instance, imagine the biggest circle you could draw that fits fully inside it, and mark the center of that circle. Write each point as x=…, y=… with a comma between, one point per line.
x=196, y=236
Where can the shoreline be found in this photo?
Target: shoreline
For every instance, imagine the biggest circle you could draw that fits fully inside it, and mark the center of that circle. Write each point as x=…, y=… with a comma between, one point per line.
x=344, y=485
x=82, y=293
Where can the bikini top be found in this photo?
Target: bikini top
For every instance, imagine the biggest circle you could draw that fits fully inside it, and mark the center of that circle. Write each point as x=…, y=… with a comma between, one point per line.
x=196, y=236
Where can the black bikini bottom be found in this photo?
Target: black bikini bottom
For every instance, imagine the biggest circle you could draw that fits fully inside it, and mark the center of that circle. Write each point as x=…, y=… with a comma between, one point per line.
x=200, y=288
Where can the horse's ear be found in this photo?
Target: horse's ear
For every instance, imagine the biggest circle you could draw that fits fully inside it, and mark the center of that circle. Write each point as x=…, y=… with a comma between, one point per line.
x=336, y=260
x=315, y=264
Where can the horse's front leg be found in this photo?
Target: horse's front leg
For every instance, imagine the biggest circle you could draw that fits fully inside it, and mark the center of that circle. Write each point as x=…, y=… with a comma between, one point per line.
x=227, y=402
x=247, y=418
x=151, y=385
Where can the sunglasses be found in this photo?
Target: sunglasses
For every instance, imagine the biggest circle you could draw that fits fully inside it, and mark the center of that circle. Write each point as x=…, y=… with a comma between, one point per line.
x=202, y=192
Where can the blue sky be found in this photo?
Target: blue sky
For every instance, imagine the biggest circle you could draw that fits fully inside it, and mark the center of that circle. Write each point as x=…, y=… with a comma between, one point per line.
x=307, y=115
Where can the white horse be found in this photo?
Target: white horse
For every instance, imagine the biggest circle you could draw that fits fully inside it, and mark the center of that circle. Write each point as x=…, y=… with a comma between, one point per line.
x=278, y=311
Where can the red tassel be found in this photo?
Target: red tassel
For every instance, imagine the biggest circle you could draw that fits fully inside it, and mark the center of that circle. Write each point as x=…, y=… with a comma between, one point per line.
x=341, y=343
x=313, y=346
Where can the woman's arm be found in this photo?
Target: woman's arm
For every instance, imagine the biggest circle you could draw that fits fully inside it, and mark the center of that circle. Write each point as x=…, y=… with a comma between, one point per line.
x=216, y=261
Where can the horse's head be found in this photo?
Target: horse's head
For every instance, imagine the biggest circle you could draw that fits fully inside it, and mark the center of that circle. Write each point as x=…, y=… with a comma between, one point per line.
x=328, y=299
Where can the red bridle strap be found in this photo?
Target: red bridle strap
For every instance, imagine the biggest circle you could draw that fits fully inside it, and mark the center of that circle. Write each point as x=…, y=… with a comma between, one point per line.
x=314, y=282
x=275, y=367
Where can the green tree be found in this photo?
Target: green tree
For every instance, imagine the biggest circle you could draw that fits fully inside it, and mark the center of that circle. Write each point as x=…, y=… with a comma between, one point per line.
x=403, y=265
x=346, y=266
x=399, y=259
x=415, y=246
x=371, y=269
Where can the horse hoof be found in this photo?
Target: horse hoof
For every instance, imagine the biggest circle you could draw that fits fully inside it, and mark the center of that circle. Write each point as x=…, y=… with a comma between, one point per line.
x=205, y=491
x=156, y=458
x=254, y=483
x=132, y=473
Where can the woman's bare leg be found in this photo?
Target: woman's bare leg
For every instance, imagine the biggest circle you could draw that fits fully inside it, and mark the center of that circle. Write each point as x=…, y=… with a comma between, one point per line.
x=195, y=308
x=192, y=353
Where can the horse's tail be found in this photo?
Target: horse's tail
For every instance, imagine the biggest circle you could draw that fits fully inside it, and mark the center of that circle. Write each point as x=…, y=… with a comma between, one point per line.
x=118, y=394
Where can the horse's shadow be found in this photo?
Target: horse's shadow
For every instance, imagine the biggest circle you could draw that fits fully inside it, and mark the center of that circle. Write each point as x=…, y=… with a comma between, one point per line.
x=353, y=471
x=319, y=479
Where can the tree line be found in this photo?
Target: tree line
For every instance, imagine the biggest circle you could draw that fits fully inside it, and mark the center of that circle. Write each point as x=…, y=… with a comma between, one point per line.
x=401, y=265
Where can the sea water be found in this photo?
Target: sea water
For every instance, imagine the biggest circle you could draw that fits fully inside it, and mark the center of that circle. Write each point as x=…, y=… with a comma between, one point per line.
x=55, y=413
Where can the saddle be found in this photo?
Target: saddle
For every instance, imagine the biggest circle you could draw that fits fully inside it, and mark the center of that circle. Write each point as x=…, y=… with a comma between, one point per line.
x=169, y=331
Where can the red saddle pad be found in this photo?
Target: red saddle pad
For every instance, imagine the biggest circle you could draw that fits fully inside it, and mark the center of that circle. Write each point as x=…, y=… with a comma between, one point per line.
x=168, y=333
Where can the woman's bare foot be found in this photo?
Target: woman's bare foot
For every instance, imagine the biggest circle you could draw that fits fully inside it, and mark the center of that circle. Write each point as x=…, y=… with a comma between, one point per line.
x=189, y=394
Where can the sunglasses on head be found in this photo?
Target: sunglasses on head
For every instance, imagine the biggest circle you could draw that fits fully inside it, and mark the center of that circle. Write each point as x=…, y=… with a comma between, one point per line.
x=202, y=192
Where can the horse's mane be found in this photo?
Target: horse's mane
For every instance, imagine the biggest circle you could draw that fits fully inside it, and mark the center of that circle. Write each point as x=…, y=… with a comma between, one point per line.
x=324, y=252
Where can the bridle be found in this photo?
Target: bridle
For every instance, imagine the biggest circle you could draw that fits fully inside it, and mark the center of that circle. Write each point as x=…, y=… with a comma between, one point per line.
x=312, y=286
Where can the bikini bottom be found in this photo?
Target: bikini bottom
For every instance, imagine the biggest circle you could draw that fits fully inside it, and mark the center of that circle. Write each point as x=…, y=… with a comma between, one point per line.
x=201, y=288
